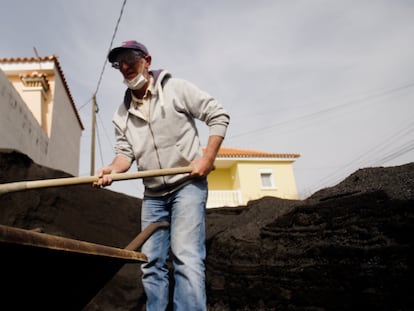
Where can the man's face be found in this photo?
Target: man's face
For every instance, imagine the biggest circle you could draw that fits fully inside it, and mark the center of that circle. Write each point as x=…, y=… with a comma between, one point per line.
x=130, y=63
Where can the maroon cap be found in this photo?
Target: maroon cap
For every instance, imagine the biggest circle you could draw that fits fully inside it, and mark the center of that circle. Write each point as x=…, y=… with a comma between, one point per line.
x=132, y=45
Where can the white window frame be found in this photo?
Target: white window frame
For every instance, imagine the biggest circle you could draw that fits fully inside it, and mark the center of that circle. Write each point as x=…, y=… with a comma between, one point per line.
x=267, y=172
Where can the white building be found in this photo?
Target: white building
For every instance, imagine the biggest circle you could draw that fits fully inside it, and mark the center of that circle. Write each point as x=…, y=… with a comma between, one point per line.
x=37, y=114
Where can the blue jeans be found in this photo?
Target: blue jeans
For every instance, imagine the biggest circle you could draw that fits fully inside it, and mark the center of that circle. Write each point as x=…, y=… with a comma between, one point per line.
x=185, y=211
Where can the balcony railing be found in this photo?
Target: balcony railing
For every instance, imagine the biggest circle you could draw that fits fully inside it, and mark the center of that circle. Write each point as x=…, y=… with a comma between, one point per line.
x=219, y=198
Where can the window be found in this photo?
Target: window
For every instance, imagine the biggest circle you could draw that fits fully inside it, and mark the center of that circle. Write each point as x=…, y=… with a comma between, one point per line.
x=266, y=178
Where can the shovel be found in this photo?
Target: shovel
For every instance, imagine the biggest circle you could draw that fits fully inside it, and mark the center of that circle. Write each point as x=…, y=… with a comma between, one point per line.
x=57, y=182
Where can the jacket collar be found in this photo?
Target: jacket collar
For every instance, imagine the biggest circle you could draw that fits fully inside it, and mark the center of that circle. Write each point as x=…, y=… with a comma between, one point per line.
x=128, y=93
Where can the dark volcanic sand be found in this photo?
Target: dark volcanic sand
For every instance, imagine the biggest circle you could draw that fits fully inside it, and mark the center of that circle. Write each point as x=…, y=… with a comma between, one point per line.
x=348, y=247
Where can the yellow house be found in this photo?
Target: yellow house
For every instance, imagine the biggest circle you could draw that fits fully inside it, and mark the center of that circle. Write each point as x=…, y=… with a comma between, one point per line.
x=38, y=116
x=242, y=175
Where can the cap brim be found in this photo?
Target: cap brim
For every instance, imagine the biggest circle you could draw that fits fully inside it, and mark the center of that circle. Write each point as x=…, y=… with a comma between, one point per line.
x=114, y=52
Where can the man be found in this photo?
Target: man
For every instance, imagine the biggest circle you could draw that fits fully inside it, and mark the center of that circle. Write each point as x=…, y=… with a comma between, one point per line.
x=155, y=126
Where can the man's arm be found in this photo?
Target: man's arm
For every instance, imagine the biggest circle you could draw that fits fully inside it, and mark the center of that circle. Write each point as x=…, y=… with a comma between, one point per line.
x=204, y=165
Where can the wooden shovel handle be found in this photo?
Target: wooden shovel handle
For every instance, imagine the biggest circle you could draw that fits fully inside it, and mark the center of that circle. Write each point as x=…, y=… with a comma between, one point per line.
x=44, y=183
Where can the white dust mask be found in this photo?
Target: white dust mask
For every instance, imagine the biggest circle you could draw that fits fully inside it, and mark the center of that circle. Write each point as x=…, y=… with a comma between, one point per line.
x=136, y=83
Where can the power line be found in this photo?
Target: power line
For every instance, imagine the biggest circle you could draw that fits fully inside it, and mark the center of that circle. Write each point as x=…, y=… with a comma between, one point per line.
x=378, y=150
x=310, y=117
x=110, y=45
x=84, y=105
x=95, y=107
x=396, y=153
x=105, y=132
x=100, y=146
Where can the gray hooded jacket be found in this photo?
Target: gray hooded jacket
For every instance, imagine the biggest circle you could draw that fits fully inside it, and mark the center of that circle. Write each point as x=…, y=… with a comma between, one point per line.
x=170, y=138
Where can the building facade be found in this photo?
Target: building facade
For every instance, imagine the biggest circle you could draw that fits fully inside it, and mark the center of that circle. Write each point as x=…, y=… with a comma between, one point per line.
x=38, y=116
x=241, y=175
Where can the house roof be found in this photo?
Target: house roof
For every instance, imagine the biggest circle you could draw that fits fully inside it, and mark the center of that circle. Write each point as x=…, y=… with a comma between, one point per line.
x=226, y=152
x=53, y=58
x=226, y=157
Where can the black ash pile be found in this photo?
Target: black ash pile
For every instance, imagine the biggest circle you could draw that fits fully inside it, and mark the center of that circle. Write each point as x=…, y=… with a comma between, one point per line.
x=348, y=247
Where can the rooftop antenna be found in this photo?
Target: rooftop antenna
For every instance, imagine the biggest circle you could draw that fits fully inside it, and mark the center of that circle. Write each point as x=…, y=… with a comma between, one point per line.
x=38, y=57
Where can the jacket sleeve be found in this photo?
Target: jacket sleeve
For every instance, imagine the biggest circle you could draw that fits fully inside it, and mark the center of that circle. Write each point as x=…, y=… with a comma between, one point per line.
x=202, y=106
x=122, y=145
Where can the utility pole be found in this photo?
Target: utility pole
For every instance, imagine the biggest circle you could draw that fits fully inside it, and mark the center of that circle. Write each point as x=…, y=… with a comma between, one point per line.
x=94, y=111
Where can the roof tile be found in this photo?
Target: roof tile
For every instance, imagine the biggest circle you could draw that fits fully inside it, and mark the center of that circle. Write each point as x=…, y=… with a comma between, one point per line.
x=227, y=152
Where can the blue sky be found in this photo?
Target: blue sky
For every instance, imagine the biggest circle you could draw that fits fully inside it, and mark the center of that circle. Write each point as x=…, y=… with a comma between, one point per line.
x=330, y=80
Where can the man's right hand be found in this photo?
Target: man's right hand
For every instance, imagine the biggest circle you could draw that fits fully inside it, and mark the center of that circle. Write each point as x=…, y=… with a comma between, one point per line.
x=104, y=177
x=120, y=164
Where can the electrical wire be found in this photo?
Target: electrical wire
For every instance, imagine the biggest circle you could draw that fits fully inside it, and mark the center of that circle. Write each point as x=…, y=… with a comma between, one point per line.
x=321, y=113
x=104, y=128
x=101, y=76
x=377, y=155
x=110, y=46
x=85, y=104
x=99, y=145
x=368, y=158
